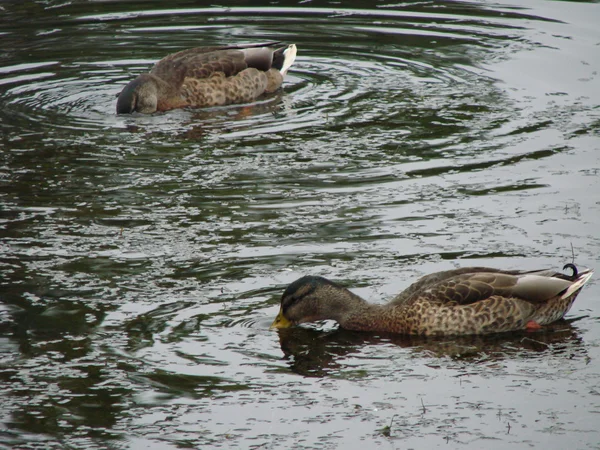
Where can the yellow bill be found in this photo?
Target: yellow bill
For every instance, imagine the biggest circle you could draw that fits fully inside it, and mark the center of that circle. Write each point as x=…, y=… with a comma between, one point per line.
x=280, y=321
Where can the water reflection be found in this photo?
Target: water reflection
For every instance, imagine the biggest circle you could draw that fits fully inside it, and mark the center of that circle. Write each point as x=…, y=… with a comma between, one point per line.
x=316, y=354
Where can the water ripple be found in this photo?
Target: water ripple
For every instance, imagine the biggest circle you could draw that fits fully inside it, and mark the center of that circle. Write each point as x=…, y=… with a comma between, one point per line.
x=82, y=91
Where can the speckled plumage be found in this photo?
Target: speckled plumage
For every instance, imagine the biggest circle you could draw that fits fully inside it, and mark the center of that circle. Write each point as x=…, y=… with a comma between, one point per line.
x=473, y=300
x=208, y=76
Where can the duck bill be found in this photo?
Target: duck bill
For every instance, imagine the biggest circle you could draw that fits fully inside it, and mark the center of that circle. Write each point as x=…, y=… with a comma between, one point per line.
x=280, y=321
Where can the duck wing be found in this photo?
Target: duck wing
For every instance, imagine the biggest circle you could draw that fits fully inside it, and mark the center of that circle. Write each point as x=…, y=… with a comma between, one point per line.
x=202, y=62
x=469, y=285
x=427, y=281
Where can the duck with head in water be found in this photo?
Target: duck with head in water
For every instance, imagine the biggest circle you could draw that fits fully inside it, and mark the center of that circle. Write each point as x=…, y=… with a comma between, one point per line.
x=208, y=76
x=471, y=300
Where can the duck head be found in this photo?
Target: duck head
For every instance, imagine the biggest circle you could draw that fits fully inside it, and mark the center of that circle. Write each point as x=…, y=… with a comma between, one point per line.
x=313, y=298
x=140, y=95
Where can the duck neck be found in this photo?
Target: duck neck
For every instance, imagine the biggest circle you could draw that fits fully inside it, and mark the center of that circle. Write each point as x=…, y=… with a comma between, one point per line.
x=351, y=311
x=169, y=97
x=354, y=313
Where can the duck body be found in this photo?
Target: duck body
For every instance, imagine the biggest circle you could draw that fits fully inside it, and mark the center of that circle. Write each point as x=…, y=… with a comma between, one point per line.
x=472, y=300
x=208, y=76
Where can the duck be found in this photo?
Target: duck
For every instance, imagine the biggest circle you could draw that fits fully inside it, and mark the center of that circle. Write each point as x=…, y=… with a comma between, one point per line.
x=464, y=301
x=208, y=76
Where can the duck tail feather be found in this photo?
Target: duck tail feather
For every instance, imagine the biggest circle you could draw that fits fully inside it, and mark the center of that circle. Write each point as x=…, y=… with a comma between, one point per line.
x=584, y=277
x=289, y=56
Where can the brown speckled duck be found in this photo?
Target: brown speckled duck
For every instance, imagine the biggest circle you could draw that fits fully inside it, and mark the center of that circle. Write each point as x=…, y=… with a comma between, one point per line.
x=208, y=76
x=471, y=300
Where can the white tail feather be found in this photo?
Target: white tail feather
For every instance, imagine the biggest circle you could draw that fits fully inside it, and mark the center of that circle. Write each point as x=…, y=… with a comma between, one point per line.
x=289, y=58
x=584, y=278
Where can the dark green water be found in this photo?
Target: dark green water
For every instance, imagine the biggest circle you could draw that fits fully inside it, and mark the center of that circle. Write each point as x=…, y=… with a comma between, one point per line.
x=142, y=258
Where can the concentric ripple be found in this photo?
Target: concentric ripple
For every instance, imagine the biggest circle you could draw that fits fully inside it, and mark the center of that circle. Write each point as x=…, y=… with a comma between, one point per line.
x=324, y=86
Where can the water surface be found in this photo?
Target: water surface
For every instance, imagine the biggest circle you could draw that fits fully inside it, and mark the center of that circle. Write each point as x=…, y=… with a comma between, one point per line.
x=143, y=257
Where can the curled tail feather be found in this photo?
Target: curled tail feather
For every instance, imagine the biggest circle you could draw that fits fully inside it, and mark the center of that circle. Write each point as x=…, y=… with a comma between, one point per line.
x=584, y=277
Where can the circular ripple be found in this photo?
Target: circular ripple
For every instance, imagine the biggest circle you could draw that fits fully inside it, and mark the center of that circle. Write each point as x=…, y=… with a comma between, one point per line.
x=331, y=82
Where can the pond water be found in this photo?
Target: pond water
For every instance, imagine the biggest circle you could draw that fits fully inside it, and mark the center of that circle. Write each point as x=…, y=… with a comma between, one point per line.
x=143, y=257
